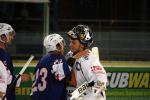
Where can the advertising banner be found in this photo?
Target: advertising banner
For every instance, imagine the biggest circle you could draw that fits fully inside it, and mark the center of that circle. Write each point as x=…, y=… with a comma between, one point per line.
x=124, y=83
x=128, y=83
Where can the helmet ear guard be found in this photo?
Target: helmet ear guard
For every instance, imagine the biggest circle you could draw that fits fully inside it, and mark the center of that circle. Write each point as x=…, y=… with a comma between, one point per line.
x=3, y=38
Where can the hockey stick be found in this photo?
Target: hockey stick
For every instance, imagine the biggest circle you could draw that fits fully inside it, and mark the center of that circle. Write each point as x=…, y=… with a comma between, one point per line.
x=82, y=88
x=79, y=91
x=19, y=75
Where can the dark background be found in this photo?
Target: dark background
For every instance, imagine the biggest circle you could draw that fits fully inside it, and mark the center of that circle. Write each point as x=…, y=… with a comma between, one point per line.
x=121, y=27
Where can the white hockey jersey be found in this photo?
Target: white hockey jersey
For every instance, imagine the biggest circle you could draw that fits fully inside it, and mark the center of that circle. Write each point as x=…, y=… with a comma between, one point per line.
x=89, y=69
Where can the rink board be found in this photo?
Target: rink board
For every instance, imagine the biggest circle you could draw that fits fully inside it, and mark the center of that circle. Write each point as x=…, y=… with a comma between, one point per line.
x=124, y=83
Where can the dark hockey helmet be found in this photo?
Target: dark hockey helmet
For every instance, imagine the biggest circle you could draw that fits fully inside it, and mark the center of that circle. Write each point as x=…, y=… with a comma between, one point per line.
x=82, y=33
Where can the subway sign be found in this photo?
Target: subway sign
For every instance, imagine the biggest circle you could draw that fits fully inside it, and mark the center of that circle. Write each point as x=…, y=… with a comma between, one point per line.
x=134, y=80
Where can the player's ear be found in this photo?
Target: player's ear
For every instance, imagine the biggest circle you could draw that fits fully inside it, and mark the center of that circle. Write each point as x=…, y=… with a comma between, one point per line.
x=3, y=38
x=59, y=47
x=82, y=47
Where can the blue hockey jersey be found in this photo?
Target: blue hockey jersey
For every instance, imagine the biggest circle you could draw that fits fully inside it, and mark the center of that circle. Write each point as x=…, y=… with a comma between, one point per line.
x=50, y=78
x=7, y=61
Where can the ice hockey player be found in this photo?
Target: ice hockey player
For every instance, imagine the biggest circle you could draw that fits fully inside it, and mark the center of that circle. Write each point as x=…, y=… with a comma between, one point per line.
x=88, y=68
x=51, y=71
x=7, y=76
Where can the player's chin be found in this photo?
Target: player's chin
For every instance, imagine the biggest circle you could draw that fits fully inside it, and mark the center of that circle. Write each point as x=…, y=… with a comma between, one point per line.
x=72, y=50
x=62, y=52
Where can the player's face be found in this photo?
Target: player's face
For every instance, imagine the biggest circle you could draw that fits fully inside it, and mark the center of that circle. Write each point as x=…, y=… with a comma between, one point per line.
x=61, y=50
x=61, y=47
x=75, y=46
x=10, y=38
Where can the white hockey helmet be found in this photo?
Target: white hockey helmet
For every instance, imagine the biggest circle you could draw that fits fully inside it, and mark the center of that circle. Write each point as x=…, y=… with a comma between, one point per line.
x=6, y=29
x=50, y=42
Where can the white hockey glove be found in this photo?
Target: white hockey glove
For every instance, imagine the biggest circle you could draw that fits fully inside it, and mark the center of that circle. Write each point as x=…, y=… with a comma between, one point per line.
x=98, y=89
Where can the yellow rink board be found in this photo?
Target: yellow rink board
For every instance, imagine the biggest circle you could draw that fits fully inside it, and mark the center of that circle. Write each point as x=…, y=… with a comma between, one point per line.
x=19, y=63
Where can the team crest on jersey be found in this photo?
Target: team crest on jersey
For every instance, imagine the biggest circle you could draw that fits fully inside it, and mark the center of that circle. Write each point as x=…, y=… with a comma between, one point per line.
x=57, y=69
